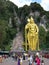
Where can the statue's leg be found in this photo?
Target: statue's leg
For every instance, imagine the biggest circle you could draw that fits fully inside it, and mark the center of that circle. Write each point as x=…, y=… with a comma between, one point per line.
x=37, y=42
x=34, y=44
x=31, y=43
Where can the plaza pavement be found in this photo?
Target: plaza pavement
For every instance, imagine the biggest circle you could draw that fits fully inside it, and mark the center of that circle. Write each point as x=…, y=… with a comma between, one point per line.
x=11, y=61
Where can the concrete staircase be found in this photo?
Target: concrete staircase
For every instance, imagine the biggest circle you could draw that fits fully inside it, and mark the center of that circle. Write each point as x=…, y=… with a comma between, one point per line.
x=18, y=41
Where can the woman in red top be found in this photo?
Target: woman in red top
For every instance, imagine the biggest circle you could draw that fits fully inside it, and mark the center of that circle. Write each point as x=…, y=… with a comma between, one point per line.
x=37, y=60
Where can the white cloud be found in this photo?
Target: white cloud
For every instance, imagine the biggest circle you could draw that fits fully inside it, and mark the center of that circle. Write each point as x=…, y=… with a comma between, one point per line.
x=45, y=4
x=21, y=3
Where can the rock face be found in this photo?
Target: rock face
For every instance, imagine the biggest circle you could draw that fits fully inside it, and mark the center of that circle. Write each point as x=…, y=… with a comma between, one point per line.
x=43, y=19
x=43, y=22
x=18, y=41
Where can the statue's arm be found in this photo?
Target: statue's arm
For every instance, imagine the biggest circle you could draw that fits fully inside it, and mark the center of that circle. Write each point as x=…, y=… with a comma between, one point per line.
x=26, y=27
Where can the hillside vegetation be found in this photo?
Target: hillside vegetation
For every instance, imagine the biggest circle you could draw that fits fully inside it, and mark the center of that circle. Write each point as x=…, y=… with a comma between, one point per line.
x=13, y=18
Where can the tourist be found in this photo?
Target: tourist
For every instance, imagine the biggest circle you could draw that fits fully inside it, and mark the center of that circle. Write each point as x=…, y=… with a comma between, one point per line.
x=21, y=59
x=35, y=62
x=30, y=60
x=18, y=60
x=42, y=62
x=1, y=58
x=37, y=59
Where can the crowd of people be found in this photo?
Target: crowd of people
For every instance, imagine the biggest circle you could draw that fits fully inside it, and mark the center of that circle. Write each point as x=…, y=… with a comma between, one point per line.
x=32, y=60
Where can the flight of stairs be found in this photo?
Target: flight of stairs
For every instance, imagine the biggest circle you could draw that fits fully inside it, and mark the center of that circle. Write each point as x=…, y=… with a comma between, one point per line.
x=18, y=41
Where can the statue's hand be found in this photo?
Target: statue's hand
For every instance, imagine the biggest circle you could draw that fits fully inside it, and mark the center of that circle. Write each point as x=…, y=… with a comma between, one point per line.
x=36, y=33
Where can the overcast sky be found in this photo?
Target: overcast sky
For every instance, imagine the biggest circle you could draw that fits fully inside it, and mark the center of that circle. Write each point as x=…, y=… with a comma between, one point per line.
x=20, y=3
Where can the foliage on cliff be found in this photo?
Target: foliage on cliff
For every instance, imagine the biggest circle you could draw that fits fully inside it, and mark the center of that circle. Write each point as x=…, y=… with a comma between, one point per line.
x=9, y=10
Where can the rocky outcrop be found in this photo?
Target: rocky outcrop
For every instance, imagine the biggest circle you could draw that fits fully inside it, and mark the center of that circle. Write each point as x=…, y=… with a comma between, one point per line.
x=43, y=22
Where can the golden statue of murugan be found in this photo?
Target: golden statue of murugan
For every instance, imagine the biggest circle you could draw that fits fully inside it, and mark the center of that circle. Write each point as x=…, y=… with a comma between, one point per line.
x=31, y=35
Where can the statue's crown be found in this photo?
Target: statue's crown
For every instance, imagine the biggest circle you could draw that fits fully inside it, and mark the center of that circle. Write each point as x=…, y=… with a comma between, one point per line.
x=31, y=18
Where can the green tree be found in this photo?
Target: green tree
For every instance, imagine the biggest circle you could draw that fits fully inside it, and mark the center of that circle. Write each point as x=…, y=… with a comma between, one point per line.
x=47, y=40
x=36, y=7
x=42, y=37
x=3, y=27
